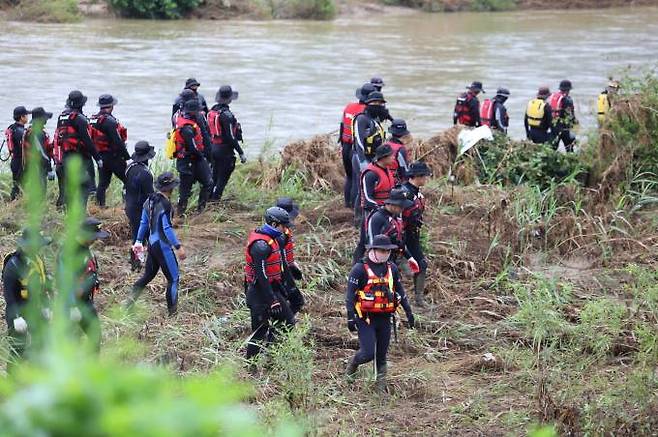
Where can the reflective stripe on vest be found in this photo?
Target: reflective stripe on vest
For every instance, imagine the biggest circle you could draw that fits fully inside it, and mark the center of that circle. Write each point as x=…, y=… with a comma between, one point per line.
x=349, y=114
x=181, y=122
x=385, y=183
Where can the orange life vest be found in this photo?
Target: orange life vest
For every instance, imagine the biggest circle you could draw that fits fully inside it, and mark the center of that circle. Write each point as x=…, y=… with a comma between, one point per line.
x=487, y=112
x=463, y=109
x=66, y=135
x=273, y=263
x=9, y=138
x=99, y=138
x=384, y=185
x=289, y=248
x=215, y=126
x=349, y=114
x=378, y=295
x=178, y=138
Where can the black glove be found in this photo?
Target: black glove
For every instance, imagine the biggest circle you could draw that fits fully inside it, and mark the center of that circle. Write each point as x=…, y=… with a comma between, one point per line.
x=411, y=320
x=295, y=272
x=275, y=308
x=351, y=325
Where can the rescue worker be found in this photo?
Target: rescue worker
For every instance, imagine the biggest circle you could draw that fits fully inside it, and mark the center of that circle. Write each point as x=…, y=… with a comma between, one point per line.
x=538, y=119
x=25, y=287
x=139, y=184
x=378, y=83
x=385, y=220
x=225, y=135
x=72, y=137
x=82, y=309
x=377, y=181
x=606, y=100
x=191, y=91
x=193, y=85
x=493, y=112
x=374, y=292
x=346, y=140
x=368, y=134
x=400, y=138
x=412, y=218
x=14, y=137
x=164, y=248
x=109, y=137
x=564, y=116
x=39, y=144
x=191, y=162
x=265, y=293
x=291, y=270
x=467, y=108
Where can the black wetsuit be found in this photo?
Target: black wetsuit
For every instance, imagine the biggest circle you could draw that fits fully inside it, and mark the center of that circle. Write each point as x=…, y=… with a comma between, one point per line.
x=139, y=184
x=16, y=164
x=192, y=167
x=114, y=160
x=224, y=148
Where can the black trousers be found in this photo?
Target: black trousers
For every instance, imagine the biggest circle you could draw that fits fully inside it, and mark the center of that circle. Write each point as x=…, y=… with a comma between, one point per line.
x=348, y=190
x=134, y=214
x=192, y=170
x=567, y=138
x=223, y=165
x=374, y=339
x=112, y=165
x=412, y=242
x=264, y=326
x=161, y=257
x=59, y=171
x=539, y=136
x=16, y=166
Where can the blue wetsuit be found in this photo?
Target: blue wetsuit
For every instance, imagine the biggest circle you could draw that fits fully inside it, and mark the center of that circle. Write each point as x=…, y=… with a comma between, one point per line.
x=156, y=219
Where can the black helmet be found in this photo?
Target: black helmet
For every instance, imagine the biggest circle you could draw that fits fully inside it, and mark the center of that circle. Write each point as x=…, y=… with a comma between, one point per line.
x=374, y=96
x=503, y=92
x=76, y=99
x=418, y=168
x=398, y=128
x=276, y=215
x=378, y=83
x=362, y=93
x=192, y=106
x=565, y=85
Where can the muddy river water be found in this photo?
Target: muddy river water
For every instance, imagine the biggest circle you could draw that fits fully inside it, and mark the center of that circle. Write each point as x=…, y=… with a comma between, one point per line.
x=294, y=77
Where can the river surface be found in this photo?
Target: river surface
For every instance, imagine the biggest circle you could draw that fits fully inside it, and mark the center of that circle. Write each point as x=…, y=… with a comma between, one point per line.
x=294, y=77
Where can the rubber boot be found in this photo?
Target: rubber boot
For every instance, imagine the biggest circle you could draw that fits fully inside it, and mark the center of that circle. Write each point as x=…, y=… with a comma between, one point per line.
x=380, y=382
x=351, y=369
x=419, y=290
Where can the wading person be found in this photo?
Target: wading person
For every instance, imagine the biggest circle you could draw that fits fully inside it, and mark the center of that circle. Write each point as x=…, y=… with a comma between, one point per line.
x=191, y=162
x=377, y=181
x=225, y=135
x=467, y=108
x=412, y=218
x=374, y=292
x=38, y=145
x=72, y=138
x=83, y=311
x=14, y=137
x=109, y=137
x=606, y=100
x=564, y=116
x=493, y=112
x=264, y=281
x=538, y=119
x=400, y=138
x=24, y=286
x=164, y=249
x=139, y=184
x=291, y=271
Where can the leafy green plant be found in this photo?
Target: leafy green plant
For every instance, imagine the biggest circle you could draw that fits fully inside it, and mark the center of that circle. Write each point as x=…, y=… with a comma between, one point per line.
x=169, y=9
x=493, y=5
x=601, y=322
x=47, y=11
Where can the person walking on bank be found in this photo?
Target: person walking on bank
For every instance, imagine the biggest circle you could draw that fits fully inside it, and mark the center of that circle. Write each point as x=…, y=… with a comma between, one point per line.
x=265, y=291
x=538, y=119
x=191, y=91
x=374, y=292
x=467, y=108
x=190, y=157
x=39, y=145
x=139, y=184
x=400, y=138
x=72, y=139
x=225, y=134
x=606, y=100
x=564, y=116
x=109, y=137
x=377, y=181
x=291, y=270
x=412, y=218
x=14, y=137
x=25, y=288
x=164, y=248
x=493, y=113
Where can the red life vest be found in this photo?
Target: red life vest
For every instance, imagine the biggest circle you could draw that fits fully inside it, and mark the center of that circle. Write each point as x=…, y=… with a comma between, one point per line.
x=378, y=295
x=178, y=138
x=9, y=138
x=395, y=166
x=416, y=209
x=215, y=126
x=66, y=134
x=385, y=183
x=463, y=109
x=273, y=263
x=556, y=101
x=289, y=248
x=99, y=138
x=27, y=144
x=487, y=112
x=349, y=114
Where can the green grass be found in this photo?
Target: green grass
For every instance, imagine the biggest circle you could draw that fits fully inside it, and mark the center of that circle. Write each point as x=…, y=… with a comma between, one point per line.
x=46, y=11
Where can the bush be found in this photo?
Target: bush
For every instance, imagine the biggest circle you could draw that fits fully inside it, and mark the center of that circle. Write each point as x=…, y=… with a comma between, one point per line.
x=305, y=9
x=46, y=11
x=493, y=5
x=168, y=9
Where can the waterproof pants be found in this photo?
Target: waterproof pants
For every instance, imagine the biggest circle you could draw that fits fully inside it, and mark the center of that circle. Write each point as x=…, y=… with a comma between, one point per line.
x=412, y=242
x=567, y=138
x=59, y=171
x=264, y=326
x=134, y=214
x=374, y=339
x=112, y=165
x=192, y=170
x=223, y=165
x=539, y=136
x=356, y=190
x=16, y=166
x=348, y=190
x=161, y=256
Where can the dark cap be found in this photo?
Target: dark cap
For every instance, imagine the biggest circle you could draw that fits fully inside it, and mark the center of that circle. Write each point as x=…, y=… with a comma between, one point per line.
x=381, y=242
x=375, y=96
x=189, y=83
x=187, y=94
x=475, y=85
x=362, y=93
x=418, y=168
x=383, y=151
x=143, y=152
x=226, y=95
x=378, y=82
x=166, y=182
x=565, y=85
x=289, y=205
x=30, y=238
x=504, y=92
x=400, y=198
x=398, y=128
x=41, y=113
x=106, y=100
x=543, y=91
x=20, y=111
x=76, y=99
x=91, y=230
x=192, y=106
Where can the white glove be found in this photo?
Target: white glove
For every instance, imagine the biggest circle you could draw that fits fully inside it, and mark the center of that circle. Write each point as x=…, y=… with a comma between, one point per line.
x=20, y=325
x=47, y=314
x=75, y=314
x=413, y=265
